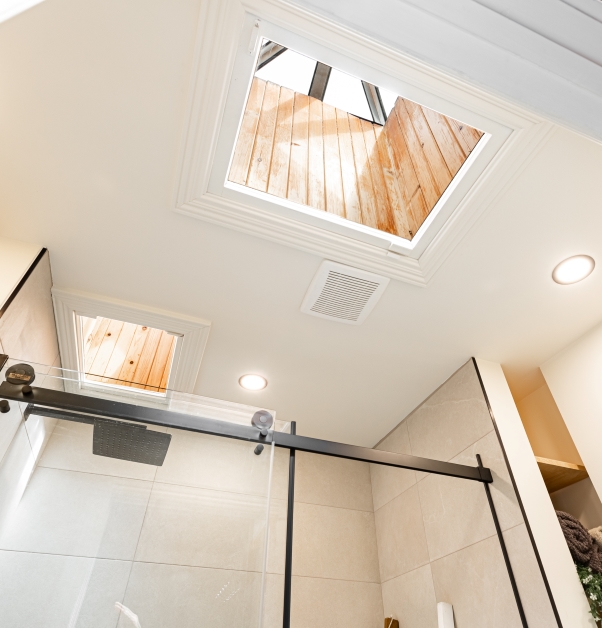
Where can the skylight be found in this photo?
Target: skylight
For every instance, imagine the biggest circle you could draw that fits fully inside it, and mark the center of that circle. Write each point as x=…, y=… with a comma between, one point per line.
x=289, y=69
x=319, y=137
x=346, y=92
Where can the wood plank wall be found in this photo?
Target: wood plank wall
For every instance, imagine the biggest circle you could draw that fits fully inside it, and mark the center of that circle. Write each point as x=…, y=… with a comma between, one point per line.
x=389, y=178
x=128, y=355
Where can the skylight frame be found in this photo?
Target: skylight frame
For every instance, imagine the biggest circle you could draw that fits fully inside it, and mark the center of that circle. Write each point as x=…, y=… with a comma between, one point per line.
x=261, y=204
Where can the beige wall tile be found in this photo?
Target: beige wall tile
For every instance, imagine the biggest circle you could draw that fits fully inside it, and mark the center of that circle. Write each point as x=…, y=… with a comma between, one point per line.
x=475, y=581
x=455, y=512
x=78, y=514
x=453, y=418
x=280, y=473
x=27, y=328
x=502, y=491
x=410, y=599
x=188, y=597
x=273, y=603
x=529, y=580
x=204, y=528
x=15, y=470
x=397, y=441
x=334, y=543
x=70, y=448
x=400, y=535
x=8, y=427
x=213, y=462
x=325, y=603
x=59, y=591
x=388, y=482
x=332, y=482
x=277, y=536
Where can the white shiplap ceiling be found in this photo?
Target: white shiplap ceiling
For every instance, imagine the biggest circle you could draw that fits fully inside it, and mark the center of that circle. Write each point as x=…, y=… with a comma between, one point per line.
x=93, y=102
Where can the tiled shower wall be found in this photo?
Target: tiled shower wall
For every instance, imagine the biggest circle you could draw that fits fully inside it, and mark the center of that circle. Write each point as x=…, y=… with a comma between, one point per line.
x=435, y=535
x=336, y=580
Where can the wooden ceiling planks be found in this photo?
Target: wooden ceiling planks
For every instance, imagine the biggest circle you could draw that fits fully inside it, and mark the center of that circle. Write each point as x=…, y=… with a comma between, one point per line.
x=387, y=177
x=128, y=355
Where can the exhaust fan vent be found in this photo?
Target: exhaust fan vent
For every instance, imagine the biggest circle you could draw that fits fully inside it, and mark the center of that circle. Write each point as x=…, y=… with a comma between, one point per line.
x=344, y=294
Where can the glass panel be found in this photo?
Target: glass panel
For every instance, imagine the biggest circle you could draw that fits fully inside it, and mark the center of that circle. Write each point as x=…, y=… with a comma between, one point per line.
x=95, y=541
x=347, y=93
x=289, y=69
x=335, y=552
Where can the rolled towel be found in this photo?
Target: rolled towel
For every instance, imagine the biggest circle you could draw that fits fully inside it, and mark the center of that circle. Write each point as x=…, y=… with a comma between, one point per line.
x=581, y=544
x=596, y=533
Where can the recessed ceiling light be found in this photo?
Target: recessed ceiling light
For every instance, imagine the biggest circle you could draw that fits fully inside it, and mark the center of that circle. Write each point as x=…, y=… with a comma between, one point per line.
x=573, y=269
x=253, y=382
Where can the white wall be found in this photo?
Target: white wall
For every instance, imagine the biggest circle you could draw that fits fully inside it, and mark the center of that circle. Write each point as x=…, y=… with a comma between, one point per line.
x=15, y=258
x=557, y=562
x=574, y=377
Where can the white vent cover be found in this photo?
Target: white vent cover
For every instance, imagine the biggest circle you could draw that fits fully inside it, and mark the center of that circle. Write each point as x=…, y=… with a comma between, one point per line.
x=342, y=293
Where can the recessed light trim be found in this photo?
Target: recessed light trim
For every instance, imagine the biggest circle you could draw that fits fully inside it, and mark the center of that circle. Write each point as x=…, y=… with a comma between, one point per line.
x=573, y=269
x=253, y=382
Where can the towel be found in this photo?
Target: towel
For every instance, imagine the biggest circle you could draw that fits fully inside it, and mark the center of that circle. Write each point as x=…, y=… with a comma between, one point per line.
x=581, y=544
x=597, y=535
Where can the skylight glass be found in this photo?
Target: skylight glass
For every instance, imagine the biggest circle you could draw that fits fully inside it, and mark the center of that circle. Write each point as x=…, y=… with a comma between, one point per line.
x=388, y=99
x=290, y=69
x=346, y=92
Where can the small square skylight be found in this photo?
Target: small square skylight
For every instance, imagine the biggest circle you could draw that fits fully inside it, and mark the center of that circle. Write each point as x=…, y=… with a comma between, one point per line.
x=126, y=355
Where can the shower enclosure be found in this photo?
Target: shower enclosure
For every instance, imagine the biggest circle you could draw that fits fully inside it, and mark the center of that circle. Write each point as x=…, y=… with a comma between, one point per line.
x=127, y=508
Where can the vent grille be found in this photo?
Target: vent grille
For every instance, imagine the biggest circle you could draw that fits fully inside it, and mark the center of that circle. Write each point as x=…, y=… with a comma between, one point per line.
x=342, y=293
x=344, y=296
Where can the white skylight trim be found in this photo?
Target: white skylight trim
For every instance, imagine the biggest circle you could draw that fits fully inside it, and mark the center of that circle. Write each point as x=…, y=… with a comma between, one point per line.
x=388, y=99
x=346, y=92
x=290, y=69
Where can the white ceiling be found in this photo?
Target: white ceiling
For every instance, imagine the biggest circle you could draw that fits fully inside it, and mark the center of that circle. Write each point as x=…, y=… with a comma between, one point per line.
x=92, y=103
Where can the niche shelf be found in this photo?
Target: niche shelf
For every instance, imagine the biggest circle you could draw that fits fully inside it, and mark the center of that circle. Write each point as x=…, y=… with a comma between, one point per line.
x=557, y=474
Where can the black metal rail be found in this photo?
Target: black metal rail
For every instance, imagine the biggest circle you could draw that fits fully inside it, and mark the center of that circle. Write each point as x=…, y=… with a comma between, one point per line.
x=288, y=564
x=43, y=398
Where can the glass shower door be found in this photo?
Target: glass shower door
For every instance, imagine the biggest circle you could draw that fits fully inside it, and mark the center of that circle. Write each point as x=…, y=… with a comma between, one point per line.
x=97, y=542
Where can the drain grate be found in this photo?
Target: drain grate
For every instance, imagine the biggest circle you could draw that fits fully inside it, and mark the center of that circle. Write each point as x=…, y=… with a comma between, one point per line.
x=125, y=441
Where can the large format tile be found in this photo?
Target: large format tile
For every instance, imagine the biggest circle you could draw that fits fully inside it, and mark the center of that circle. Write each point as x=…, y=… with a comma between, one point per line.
x=280, y=471
x=46, y=591
x=455, y=513
x=400, y=535
x=475, y=581
x=324, y=603
x=529, y=580
x=273, y=603
x=332, y=482
x=388, y=482
x=188, y=597
x=410, y=598
x=15, y=470
x=39, y=431
x=451, y=419
x=79, y=514
x=204, y=528
x=8, y=427
x=70, y=448
x=277, y=536
x=502, y=491
x=214, y=462
x=334, y=543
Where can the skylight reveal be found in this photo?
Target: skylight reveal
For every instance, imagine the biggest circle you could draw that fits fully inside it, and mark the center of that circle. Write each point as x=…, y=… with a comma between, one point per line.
x=319, y=137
